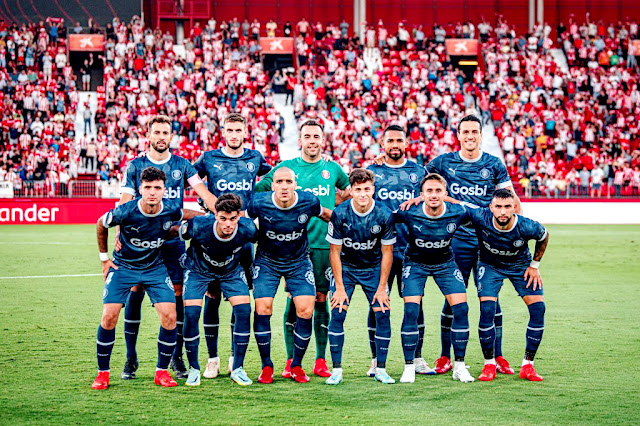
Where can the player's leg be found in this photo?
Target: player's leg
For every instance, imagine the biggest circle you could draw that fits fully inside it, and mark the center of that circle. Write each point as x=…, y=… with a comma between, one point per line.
x=289, y=322
x=265, y=286
x=336, y=332
x=534, y=299
x=195, y=286
x=320, y=262
x=246, y=262
x=414, y=277
x=132, y=319
x=172, y=252
x=235, y=289
x=489, y=282
x=211, y=324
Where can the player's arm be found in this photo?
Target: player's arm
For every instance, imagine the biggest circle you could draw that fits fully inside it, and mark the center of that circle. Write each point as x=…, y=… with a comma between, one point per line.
x=190, y=214
x=207, y=197
x=516, y=199
x=503, y=180
x=342, y=195
x=339, y=297
x=342, y=186
x=182, y=230
x=325, y=215
x=127, y=193
x=385, y=269
x=102, y=234
x=264, y=184
x=532, y=274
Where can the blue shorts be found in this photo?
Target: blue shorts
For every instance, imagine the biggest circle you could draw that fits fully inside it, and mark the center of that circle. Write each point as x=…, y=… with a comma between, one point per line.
x=446, y=275
x=490, y=280
x=368, y=278
x=172, y=251
x=155, y=281
x=267, y=275
x=465, y=251
x=233, y=283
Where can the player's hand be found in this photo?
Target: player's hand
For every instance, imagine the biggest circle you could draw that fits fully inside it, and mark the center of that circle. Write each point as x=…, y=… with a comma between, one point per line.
x=412, y=202
x=532, y=275
x=339, y=298
x=382, y=298
x=326, y=157
x=380, y=159
x=106, y=265
x=117, y=245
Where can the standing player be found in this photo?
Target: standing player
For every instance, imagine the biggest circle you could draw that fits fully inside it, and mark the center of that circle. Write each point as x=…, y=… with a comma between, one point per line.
x=431, y=226
x=213, y=257
x=143, y=227
x=362, y=235
x=320, y=177
x=472, y=176
x=397, y=180
x=179, y=171
x=232, y=168
x=504, y=254
x=283, y=251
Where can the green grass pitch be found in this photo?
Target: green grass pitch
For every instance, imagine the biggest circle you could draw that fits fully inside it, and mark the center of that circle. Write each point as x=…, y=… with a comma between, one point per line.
x=589, y=355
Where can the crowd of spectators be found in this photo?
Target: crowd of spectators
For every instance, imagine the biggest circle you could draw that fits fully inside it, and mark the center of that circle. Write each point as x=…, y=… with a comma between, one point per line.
x=564, y=132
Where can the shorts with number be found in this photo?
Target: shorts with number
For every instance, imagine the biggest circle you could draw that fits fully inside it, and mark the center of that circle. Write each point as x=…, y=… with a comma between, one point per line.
x=155, y=281
x=172, y=252
x=465, y=251
x=298, y=275
x=321, y=268
x=232, y=283
x=367, y=278
x=446, y=275
x=490, y=279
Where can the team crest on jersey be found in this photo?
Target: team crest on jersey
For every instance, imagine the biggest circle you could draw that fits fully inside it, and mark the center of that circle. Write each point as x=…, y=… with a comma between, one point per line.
x=413, y=177
x=251, y=167
x=168, y=282
x=309, y=277
x=406, y=270
x=255, y=271
x=484, y=173
x=458, y=275
x=518, y=243
x=325, y=174
x=451, y=227
x=166, y=225
x=375, y=229
x=303, y=218
x=330, y=229
x=176, y=174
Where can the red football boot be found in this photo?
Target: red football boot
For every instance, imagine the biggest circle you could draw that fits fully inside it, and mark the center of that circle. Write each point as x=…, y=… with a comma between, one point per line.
x=502, y=366
x=164, y=379
x=298, y=374
x=443, y=364
x=528, y=372
x=488, y=373
x=320, y=368
x=102, y=381
x=286, y=373
x=266, y=376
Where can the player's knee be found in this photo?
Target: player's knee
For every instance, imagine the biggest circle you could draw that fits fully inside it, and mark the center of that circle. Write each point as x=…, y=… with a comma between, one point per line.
x=168, y=319
x=338, y=317
x=536, y=312
x=109, y=320
x=304, y=311
x=487, y=312
x=264, y=309
x=460, y=310
x=242, y=310
x=411, y=312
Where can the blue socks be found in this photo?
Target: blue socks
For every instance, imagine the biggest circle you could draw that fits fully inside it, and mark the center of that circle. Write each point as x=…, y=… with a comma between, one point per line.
x=498, y=322
x=446, y=318
x=192, y=334
x=262, y=332
x=383, y=336
x=409, y=332
x=487, y=328
x=177, y=351
x=418, y=353
x=301, y=338
x=132, y=316
x=211, y=323
x=336, y=336
x=166, y=345
x=104, y=346
x=535, y=328
x=232, y=324
x=241, y=333
x=371, y=326
x=460, y=330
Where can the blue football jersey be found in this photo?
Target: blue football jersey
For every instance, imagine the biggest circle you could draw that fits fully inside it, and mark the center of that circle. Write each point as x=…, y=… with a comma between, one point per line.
x=179, y=171
x=394, y=185
x=141, y=234
x=505, y=248
x=225, y=173
x=361, y=234
x=282, y=233
x=208, y=253
x=430, y=236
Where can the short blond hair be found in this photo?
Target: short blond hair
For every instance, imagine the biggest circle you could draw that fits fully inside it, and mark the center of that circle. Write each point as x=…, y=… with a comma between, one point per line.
x=234, y=118
x=162, y=119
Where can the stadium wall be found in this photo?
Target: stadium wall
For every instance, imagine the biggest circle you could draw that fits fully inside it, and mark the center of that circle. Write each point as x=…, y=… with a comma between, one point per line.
x=43, y=211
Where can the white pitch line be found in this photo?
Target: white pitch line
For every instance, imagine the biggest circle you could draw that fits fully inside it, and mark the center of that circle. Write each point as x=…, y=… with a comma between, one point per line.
x=39, y=243
x=50, y=276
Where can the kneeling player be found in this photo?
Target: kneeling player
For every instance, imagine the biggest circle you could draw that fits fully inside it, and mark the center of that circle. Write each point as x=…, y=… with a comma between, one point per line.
x=362, y=235
x=144, y=223
x=214, y=256
x=431, y=227
x=504, y=253
x=283, y=251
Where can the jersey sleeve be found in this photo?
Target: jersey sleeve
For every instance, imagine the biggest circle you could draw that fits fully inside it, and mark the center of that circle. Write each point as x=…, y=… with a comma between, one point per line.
x=399, y=216
x=264, y=167
x=114, y=217
x=186, y=229
x=342, y=182
x=315, y=207
x=334, y=230
x=252, y=231
x=264, y=184
x=191, y=175
x=502, y=176
x=389, y=232
x=200, y=166
x=176, y=214
x=475, y=215
x=128, y=185
x=251, y=209
x=434, y=166
x=535, y=230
